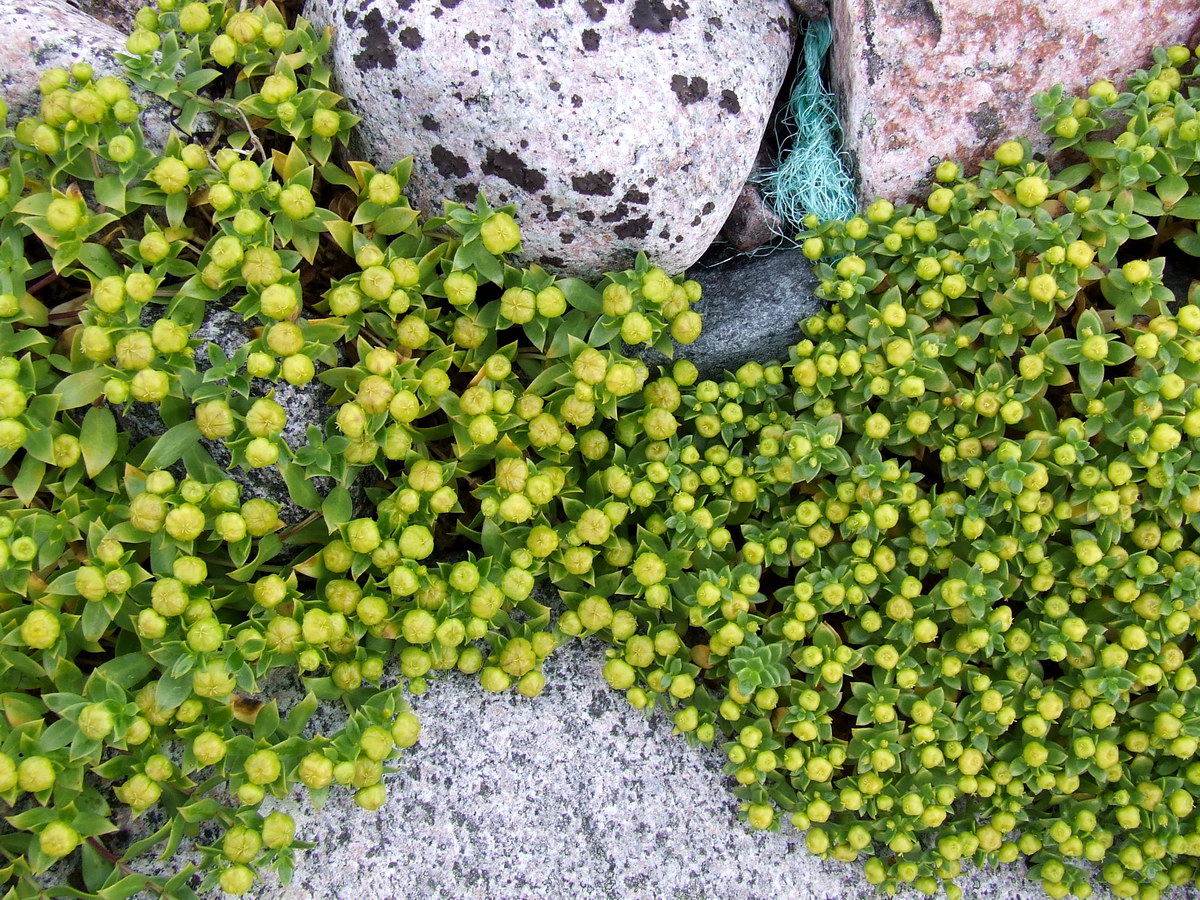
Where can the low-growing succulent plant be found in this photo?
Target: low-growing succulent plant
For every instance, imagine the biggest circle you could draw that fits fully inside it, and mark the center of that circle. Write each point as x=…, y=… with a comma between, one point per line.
x=931, y=584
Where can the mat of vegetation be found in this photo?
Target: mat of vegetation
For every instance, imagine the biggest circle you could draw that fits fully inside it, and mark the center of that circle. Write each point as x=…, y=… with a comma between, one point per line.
x=931, y=583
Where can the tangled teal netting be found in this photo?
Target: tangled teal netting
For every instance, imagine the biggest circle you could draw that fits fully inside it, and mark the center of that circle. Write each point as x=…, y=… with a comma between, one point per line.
x=811, y=174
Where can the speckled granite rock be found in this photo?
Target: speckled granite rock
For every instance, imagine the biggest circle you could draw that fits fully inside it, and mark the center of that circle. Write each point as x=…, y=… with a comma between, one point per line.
x=616, y=125
x=752, y=307
x=922, y=80
x=305, y=405
x=573, y=795
x=38, y=34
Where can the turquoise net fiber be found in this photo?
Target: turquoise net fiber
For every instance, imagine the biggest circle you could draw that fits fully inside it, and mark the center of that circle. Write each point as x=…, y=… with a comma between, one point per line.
x=811, y=174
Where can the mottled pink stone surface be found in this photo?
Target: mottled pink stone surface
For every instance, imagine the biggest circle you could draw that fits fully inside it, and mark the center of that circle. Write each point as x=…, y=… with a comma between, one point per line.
x=925, y=80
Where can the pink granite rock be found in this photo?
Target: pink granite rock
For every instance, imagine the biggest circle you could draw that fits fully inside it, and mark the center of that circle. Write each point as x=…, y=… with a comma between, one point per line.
x=615, y=125
x=924, y=80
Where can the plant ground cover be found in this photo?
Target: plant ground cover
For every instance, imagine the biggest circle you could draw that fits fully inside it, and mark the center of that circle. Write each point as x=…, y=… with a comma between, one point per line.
x=931, y=584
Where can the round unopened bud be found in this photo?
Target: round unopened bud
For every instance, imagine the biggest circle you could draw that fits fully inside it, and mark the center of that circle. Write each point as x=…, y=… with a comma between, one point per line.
x=58, y=839
x=500, y=233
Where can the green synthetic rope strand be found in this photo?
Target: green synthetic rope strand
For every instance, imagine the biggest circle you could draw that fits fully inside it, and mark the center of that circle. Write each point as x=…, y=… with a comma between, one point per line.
x=811, y=175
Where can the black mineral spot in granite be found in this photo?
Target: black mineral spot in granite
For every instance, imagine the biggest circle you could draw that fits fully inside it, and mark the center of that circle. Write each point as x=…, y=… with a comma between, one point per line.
x=924, y=9
x=715, y=22
x=617, y=214
x=350, y=17
x=591, y=40
x=576, y=101
x=397, y=93
x=696, y=221
x=524, y=144
x=633, y=195
x=552, y=214
x=437, y=13
x=474, y=73
x=547, y=4
x=566, y=236
x=689, y=91
x=729, y=102
x=656, y=16
x=665, y=233
x=707, y=208
x=486, y=51
x=586, y=215
x=555, y=86
x=465, y=193
x=429, y=123
x=708, y=36
x=594, y=184
x=652, y=181
x=405, y=4
x=514, y=170
x=985, y=119
x=449, y=165
x=473, y=39
x=554, y=260
x=594, y=9
x=634, y=228
x=450, y=4
x=376, y=49
x=411, y=38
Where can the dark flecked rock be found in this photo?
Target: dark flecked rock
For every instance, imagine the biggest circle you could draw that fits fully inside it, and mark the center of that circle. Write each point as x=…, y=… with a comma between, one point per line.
x=751, y=222
x=752, y=307
x=305, y=405
x=615, y=126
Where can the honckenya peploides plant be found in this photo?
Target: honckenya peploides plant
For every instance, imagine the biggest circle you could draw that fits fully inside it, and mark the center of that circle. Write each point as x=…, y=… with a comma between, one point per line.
x=931, y=583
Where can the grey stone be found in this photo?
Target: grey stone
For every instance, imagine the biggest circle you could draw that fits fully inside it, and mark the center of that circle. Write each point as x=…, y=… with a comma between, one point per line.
x=751, y=222
x=36, y=35
x=615, y=125
x=752, y=307
x=305, y=405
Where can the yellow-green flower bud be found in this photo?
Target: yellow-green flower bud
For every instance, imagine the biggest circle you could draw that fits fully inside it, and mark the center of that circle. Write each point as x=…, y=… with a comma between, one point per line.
x=40, y=629
x=460, y=288
x=58, y=839
x=500, y=233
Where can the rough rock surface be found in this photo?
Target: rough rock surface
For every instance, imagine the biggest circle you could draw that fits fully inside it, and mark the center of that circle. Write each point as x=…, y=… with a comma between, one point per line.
x=615, y=125
x=117, y=13
x=572, y=795
x=752, y=307
x=751, y=222
x=36, y=35
x=305, y=405
x=923, y=80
